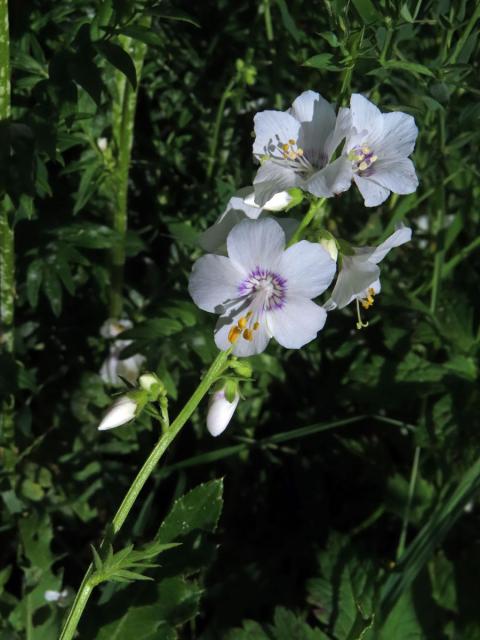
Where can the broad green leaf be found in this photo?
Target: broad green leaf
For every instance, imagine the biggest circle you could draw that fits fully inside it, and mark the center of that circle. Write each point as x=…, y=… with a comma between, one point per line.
x=34, y=281
x=119, y=59
x=198, y=509
x=412, y=67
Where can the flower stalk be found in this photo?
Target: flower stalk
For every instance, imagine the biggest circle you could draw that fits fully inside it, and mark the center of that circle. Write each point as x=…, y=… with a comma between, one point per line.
x=215, y=371
x=7, y=250
x=124, y=108
x=317, y=208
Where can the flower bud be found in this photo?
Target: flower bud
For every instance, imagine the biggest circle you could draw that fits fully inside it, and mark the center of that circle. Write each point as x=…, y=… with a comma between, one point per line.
x=220, y=412
x=329, y=243
x=122, y=411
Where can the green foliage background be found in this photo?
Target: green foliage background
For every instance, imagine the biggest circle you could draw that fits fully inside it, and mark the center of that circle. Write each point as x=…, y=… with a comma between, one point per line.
x=317, y=463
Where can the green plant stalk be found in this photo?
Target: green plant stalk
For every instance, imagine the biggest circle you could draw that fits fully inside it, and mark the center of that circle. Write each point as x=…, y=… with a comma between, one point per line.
x=85, y=590
x=124, y=108
x=315, y=208
x=465, y=35
x=7, y=247
x=408, y=506
x=268, y=20
x=440, y=227
x=216, y=128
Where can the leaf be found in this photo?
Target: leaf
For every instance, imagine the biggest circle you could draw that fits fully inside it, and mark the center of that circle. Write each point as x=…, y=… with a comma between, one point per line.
x=198, y=509
x=87, y=186
x=176, y=15
x=145, y=35
x=34, y=280
x=89, y=235
x=53, y=289
x=119, y=59
x=320, y=61
x=367, y=11
x=411, y=67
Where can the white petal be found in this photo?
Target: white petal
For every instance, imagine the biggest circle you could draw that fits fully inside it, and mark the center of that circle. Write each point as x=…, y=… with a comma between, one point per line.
x=397, y=175
x=354, y=278
x=129, y=368
x=373, y=193
x=242, y=347
x=279, y=201
x=343, y=126
x=121, y=412
x=308, y=269
x=272, y=129
x=256, y=243
x=112, y=328
x=220, y=412
x=214, y=239
x=272, y=178
x=318, y=122
x=334, y=178
x=108, y=371
x=398, y=237
x=297, y=323
x=52, y=596
x=366, y=117
x=399, y=134
x=214, y=281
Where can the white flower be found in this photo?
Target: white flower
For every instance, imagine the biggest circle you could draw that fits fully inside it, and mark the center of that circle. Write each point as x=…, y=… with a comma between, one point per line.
x=262, y=290
x=359, y=277
x=220, y=412
x=113, y=366
x=122, y=411
x=240, y=206
x=102, y=143
x=378, y=147
x=296, y=146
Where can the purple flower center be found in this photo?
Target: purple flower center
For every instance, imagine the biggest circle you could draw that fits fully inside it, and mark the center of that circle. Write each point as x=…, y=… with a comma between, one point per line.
x=265, y=288
x=362, y=158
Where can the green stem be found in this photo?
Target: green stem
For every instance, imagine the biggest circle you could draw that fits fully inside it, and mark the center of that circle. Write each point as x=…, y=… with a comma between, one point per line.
x=212, y=152
x=465, y=35
x=83, y=594
x=7, y=248
x=440, y=226
x=123, y=125
x=315, y=207
x=268, y=20
x=408, y=506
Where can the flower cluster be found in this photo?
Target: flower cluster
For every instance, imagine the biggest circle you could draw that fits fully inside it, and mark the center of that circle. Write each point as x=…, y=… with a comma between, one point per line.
x=258, y=276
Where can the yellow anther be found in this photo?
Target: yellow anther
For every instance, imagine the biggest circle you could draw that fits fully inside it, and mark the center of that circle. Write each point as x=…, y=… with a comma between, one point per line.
x=248, y=335
x=363, y=165
x=249, y=315
x=285, y=147
x=366, y=150
x=291, y=141
x=234, y=334
x=292, y=155
x=256, y=325
x=373, y=158
x=242, y=323
x=299, y=151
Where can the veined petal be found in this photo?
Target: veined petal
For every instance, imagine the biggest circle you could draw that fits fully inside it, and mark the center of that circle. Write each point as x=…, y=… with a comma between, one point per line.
x=318, y=121
x=214, y=239
x=365, y=116
x=308, y=268
x=396, y=174
x=354, y=278
x=242, y=347
x=272, y=129
x=343, y=126
x=297, y=323
x=272, y=178
x=398, y=237
x=399, y=134
x=256, y=243
x=213, y=282
x=220, y=412
x=372, y=192
x=334, y=178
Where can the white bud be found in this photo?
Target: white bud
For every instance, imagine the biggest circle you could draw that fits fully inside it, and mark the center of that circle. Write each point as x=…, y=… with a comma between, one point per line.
x=147, y=380
x=102, y=144
x=58, y=597
x=277, y=203
x=330, y=245
x=122, y=411
x=220, y=412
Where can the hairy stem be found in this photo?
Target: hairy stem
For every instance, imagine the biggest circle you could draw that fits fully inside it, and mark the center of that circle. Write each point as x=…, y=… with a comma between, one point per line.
x=7, y=251
x=123, y=124
x=83, y=594
x=212, y=152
